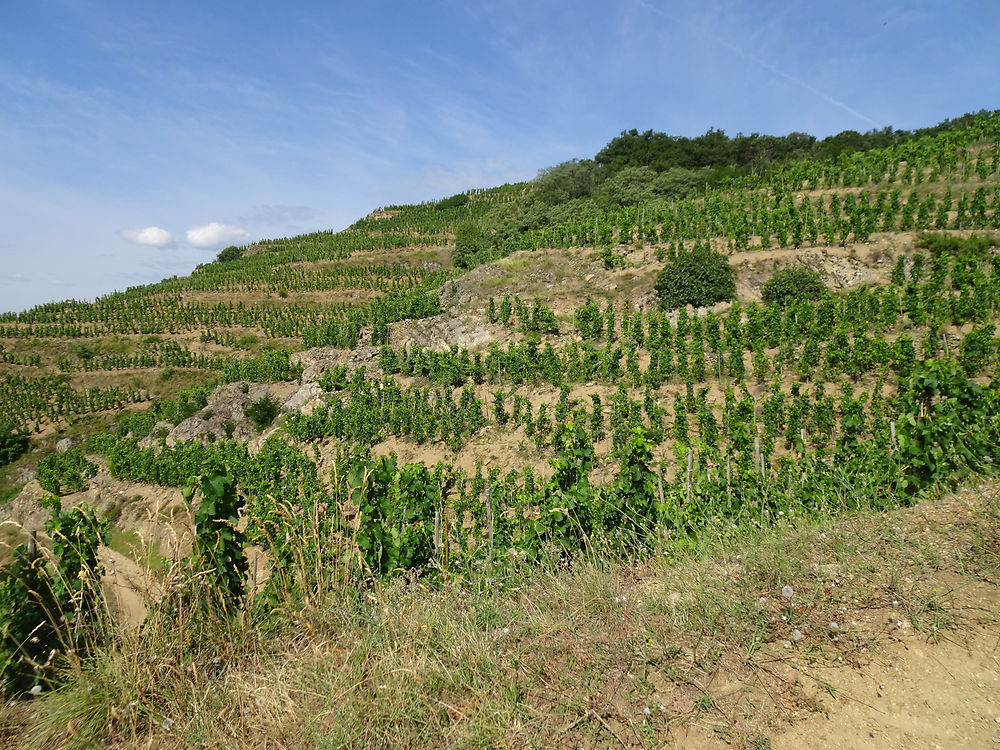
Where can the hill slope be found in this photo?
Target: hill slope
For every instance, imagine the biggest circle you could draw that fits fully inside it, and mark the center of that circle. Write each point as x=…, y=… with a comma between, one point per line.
x=475, y=404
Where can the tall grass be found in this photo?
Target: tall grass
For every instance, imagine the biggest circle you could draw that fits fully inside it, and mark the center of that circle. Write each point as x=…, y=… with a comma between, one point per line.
x=599, y=649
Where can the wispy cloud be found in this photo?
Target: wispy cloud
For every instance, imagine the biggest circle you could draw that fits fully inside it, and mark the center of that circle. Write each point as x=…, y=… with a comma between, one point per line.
x=151, y=236
x=274, y=122
x=706, y=21
x=216, y=234
x=797, y=81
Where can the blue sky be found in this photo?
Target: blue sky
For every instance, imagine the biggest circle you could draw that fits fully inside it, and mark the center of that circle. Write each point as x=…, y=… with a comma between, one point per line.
x=138, y=138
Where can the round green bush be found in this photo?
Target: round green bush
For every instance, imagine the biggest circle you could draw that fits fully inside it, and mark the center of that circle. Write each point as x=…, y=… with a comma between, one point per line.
x=262, y=412
x=791, y=284
x=13, y=442
x=470, y=240
x=698, y=277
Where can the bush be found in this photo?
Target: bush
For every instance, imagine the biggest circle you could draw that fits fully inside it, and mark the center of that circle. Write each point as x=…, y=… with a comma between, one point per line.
x=67, y=471
x=791, y=284
x=47, y=605
x=470, y=240
x=455, y=201
x=262, y=412
x=699, y=277
x=228, y=254
x=976, y=245
x=13, y=443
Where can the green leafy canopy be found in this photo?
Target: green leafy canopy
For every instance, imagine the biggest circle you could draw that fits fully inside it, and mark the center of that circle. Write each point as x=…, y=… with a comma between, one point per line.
x=698, y=277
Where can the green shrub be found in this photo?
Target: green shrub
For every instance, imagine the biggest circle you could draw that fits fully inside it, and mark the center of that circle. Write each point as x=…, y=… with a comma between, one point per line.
x=262, y=412
x=65, y=471
x=455, y=201
x=939, y=243
x=46, y=607
x=790, y=284
x=976, y=349
x=217, y=541
x=589, y=320
x=230, y=253
x=137, y=424
x=698, y=277
x=13, y=443
x=470, y=240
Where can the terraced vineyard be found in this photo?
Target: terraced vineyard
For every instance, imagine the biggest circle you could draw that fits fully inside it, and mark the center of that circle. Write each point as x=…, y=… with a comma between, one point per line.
x=462, y=385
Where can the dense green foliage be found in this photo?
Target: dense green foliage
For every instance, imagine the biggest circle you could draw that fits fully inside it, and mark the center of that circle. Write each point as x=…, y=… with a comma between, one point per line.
x=47, y=603
x=657, y=425
x=228, y=254
x=975, y=245
x=13, y=443
x=262, y=412
x=715, y=149
x=470, y=242
x=218, y=544
x=697, y=277
x=61, y=472
x=455, y=201
x=794, y=283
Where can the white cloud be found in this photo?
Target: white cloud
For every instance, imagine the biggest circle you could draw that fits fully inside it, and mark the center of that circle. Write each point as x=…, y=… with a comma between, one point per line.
x=152, y=236
x=217, y=235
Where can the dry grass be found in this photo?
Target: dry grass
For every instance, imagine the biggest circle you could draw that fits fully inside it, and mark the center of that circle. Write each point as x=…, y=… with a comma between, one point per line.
x=603, y=653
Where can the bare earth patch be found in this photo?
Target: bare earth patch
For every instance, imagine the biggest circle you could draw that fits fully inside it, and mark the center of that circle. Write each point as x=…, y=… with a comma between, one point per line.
x=915, y=694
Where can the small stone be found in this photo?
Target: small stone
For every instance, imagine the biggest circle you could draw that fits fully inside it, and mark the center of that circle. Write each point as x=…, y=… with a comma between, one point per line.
x=787, y=591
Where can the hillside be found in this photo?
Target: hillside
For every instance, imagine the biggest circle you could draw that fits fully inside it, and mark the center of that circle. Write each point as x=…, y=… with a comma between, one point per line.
x=469, y=445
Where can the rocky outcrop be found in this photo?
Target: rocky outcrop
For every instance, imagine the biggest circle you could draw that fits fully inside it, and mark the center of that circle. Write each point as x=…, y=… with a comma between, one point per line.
x=442, y=332
x=224, y=416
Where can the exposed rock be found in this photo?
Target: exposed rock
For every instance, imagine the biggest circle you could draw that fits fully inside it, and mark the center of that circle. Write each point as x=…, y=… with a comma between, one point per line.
x=440, y=333
x=223, y=416
x=64, y=445
x=304, y=400
x=839, y=268
x=648, y=302
x=26, y=510
x=318, y=360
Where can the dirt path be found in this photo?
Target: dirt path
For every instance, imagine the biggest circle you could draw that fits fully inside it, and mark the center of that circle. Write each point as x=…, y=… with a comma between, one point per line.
x=127, y=587
x=917, y=695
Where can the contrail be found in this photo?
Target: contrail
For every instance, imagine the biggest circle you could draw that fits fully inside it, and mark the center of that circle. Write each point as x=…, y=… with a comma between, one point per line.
x=769, y=67
x=794, y=79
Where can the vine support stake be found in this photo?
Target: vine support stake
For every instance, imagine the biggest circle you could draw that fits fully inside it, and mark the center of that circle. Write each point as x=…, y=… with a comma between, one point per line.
x=690, y=469
x=489, y=521
x=437, y=532
x=659, y=482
